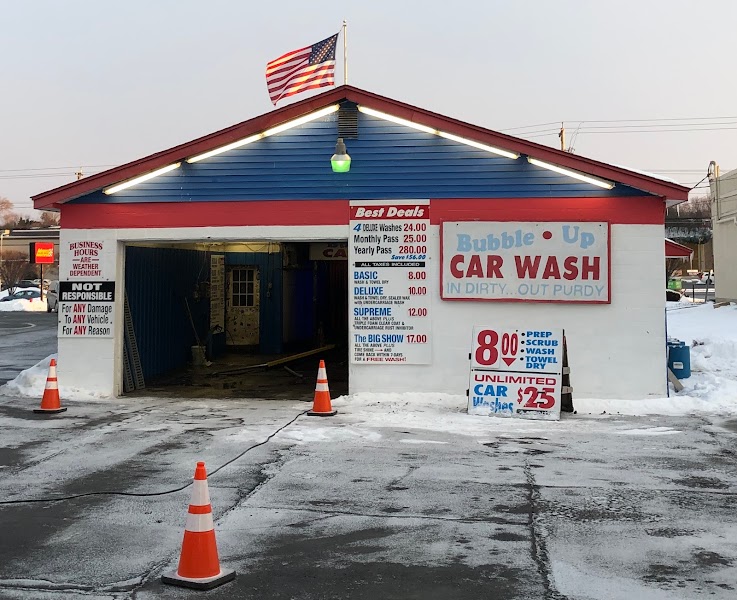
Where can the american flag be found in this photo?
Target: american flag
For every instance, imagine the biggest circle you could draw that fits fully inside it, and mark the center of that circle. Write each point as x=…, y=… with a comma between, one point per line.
x=304, y=69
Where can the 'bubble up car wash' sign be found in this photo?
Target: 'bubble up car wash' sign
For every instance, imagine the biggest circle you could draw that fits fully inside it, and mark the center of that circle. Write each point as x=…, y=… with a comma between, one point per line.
x=516, y=372
x=526, y=261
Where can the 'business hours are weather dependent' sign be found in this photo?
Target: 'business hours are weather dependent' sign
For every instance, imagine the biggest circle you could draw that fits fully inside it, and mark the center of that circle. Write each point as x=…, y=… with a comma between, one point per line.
x=545, y=262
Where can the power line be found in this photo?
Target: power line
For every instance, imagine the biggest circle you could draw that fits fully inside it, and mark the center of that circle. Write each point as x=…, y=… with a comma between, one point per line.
x=529, y=126
x=662, y=130
x=657, y=119
x=55, y=168
x=547, y=132
x=663, y=125
x=654, y=120
x=45, y=175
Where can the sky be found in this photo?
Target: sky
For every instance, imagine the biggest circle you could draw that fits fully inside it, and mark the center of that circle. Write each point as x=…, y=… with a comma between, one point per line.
x=647, y=84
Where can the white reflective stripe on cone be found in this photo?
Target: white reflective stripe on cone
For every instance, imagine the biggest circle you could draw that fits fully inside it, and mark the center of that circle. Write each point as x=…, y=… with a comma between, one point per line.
x=200, y=493
x=52, y=385
x=322, y=387
x=322, y=374
x=199, y=523
x=201, y=579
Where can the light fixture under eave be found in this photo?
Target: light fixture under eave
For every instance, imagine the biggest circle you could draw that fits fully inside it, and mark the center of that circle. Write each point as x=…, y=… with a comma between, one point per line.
x=225, y=148
x=398, y=120
x=443, y=134
x=302, y=120
x=607, y=185
x=479, y=145
x=340, y=161
x=278, y=129
x=136, y=180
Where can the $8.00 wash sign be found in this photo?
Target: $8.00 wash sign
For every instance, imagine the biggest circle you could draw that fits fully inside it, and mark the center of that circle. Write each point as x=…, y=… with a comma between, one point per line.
x=516, y=372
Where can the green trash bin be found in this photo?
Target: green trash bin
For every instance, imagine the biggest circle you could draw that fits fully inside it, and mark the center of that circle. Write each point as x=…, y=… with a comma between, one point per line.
x=674, y=284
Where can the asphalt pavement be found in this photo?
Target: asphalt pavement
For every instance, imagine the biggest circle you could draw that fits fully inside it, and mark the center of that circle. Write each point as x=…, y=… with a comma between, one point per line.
x=375, y=502
x=364, y=507
x=25, y=339
x=697, y=290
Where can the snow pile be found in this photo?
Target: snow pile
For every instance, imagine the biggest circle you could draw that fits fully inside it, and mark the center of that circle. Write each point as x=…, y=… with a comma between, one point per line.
x=712, y=335
x=712, y=387
x=429, y=411
x=33, y=304
x=32, y=382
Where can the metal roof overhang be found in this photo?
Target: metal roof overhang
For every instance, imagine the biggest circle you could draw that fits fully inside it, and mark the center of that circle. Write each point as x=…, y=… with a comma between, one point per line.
x=676, y=250
x=671, y=193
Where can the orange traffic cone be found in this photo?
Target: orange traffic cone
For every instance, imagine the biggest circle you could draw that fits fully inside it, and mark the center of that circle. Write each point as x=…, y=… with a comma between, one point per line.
x=50, y=403
x=199, y=566
x=321, y=406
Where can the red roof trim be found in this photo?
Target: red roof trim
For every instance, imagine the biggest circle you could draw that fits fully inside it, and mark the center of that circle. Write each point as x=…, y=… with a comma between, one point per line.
x=653, y=185
x=676, y=250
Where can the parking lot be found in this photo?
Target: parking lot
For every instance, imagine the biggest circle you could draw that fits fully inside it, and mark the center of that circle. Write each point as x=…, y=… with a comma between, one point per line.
x=25, y=339
x=402, y=496
x=372, y=503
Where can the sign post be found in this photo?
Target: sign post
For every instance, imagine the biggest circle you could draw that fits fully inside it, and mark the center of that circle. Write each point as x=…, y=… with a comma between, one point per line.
x=42, y=253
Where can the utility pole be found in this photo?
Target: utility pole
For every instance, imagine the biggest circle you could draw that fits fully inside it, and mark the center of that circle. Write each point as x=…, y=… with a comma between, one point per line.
x=562, y=136
x=79, y=174
x=3, y=233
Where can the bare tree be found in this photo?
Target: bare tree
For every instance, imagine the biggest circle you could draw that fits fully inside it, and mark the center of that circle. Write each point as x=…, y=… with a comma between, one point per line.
x=7, y=216
x=672, y=266
x=49, y=219
x=15, y=266
x=698, y=207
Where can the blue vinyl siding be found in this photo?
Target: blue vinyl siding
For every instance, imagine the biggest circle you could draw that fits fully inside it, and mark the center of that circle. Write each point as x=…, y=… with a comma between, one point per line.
x=388, y=161
x=157, y=282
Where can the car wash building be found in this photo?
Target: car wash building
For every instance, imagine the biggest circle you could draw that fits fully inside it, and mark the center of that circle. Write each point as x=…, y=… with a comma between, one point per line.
x=251, y=242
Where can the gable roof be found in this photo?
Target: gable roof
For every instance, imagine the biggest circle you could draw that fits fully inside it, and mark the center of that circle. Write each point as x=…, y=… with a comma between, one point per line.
x=676, y=250
x=53, y=198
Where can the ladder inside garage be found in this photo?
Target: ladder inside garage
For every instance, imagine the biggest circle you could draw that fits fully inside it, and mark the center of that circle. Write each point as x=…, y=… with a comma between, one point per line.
x=132, y=371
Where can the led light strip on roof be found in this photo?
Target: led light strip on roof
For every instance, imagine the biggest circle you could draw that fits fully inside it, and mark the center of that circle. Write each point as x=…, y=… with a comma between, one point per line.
x=607, y=185
x=141, y=179
x=426, y=129
x=278, y=129
x=222, y=149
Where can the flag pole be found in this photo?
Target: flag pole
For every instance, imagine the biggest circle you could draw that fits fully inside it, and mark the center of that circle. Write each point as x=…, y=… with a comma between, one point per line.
x=345, y=52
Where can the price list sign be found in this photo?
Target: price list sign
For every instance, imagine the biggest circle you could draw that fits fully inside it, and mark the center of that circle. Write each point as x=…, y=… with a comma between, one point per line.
x=389, y=282
x=516, y=372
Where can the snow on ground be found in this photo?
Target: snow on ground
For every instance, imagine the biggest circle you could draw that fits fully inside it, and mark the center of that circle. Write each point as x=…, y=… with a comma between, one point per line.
x=712, y=335
x=34, y=304
x=31, y=383
x=712, y=388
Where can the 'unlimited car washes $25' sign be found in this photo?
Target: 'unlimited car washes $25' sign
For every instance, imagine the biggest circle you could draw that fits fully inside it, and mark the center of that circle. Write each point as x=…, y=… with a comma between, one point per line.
x=513, y=261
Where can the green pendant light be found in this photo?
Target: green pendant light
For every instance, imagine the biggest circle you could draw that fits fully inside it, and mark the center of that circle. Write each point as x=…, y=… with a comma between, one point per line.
x=340, y=161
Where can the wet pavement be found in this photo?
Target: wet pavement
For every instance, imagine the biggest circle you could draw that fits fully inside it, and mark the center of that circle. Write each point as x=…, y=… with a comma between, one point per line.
x=25, y=339
x=363, y=505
